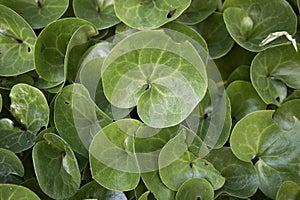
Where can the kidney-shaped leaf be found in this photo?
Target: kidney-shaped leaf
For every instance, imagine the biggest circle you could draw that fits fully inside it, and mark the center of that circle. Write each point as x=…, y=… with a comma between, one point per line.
x=198, y=11
x=16, y=192
x=38, y=13
x=241, y=177
x=160, y=72
x=29, y=105
x=53, y=42
x=257, y=135
x=195, y=188
x=73, y=106
x=56, y=167
x=249, y=22
x=274, y=69
x=147, y=13
x=100, y=12
x=10, y=165
x=16, y=43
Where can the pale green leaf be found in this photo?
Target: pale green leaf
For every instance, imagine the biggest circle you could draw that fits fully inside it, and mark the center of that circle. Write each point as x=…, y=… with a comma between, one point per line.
x=288, y=190
x=16, y=192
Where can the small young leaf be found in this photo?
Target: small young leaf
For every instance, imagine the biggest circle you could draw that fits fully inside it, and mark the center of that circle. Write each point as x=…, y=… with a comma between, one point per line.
x=56, y=167
x=195, y=188
x=288, y=190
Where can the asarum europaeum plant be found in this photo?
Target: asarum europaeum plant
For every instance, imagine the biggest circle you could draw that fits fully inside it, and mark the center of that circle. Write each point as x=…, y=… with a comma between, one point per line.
x=149, y=99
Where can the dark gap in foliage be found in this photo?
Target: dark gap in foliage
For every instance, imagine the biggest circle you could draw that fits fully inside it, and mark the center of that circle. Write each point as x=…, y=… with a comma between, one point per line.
x=19, y=41
x=134, y=115
x=198, y=198
x=171, y=13
x=39, y=4
x=271, y=107
x=278, y=99
x=67, y=103
x=254, y=160
x=205, y=116
x=191, y=165
x=28, y=49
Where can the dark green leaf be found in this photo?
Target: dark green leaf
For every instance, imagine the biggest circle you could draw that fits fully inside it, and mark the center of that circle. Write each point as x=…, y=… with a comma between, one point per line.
x=7, y=83
x=56, y=167
x=241, y=73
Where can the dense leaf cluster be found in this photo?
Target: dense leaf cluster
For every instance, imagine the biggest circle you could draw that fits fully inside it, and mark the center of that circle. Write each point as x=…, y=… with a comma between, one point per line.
x=148, y=99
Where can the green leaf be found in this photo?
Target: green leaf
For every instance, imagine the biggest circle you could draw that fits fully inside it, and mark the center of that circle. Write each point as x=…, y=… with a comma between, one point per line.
x=93, y=190
x=10, y=164
x=53, y=42
x=63, y=180
x=154, y=183
x=29, y=105
x=241, y=177
x=285, y=114
x=73, y=106
x=214, y=31
x=144, y=196
x=288, y=190
x=187, y=167
x=38, y=13
x=0, y=102
x=148, y=14
x=198, y=11
x=90, y=68
x=251, y=21
x=274, y=69
x=161, y=73
x=195, y=188
x=99, y=12
x=13, y=138
x=244, y=99
x=211, y=118
x=257, y=135
x=16, y=43
x=33, y=185
x=16, y=192
x=241, y=73
x=112, y=158
x=7, y=83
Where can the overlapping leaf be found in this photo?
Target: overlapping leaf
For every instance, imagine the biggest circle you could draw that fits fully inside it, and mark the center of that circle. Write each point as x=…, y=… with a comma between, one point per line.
x=16, y=192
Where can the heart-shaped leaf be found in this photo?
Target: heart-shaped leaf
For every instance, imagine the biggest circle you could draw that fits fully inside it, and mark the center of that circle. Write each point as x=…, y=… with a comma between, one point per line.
x=211, y=118
x=198, y=11
x=29, y=105
x=148, y=14
x=16, y=192
x=160, y=72
x=257, y=135
x=187, y=167
x=243, y=91
x=241, y=177
x=288, y=190
x=16, y=43
x=38, y=13
x=285, y=114
x=10, y=165
x=99, y=12
x=73, y=106
x=63, y=180
x=112, y=158
x=53, y=41
x=195, y=188
x=214, y=31
x=93, y=190
x=274, y=69
x=251, y=21
x=13, y=138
